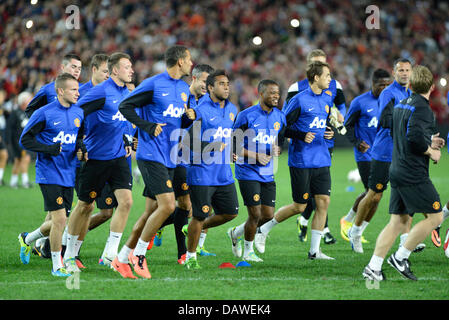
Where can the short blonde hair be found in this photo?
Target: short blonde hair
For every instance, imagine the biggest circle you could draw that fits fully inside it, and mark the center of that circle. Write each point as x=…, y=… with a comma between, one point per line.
x=315, y=53
x=421, y=79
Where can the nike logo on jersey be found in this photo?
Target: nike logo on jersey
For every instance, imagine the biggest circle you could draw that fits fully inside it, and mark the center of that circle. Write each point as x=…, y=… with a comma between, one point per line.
x=115, y=101
x=165, y=94
x=212, y=119
x=369, y=110
x=56, y=123
x=256, y=125
x=310, y=109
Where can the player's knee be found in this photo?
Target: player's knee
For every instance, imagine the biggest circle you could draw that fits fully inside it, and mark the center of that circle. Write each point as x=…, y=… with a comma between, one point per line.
x=127, y=203
x=168, y=207
x=299, y=207
x=58, y=221
x=184, y=203
x=106, y=214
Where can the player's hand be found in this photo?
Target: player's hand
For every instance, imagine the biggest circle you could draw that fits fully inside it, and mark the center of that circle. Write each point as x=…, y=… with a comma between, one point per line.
x=276, y=150
x=235, y=157
x=79, y=154
x=363, y=147
x=263, y=159
x=329, y=133
x=158, y=129
x=190, y=113
x=309, y=137
x=129, y=150
x=135, y=143
x=437, y=142
x=340, y=118
x=434, y=154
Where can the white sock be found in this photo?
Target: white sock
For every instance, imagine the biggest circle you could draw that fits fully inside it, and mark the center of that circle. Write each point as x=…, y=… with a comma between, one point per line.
x=56, y=259
x=356, y=230
x=190, y=255
x=25, y=178
x=239, y=230
x=70, y=249
x=123, y=254
x=402, y=253
x=303, y=221
x=376, y=263
x=1, y=173
x=141, y=248
x=40, y=241
x=247, y=247
x=350, y=216
x=78, y=244
x=14, y=180
x=326, y=230
x=64, y=236
x=266, y=227
x=403, y=237
x=113, y=243
x=315, y=241
x=33, y=236
x=364, y=225
x=202, y=239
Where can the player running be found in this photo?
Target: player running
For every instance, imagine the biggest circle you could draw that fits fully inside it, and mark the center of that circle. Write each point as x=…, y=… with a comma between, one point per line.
x=309, y=158
x=52, y=132
x=262, y=126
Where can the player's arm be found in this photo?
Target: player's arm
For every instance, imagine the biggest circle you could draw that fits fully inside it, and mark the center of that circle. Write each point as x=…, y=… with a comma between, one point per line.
x=28, y=139
x=385, y=113
x=340, y=100
x=352, y=118
x=292, y=91
x=138, y=99
x=292, y=113
x=416, y=139
x=38, y=101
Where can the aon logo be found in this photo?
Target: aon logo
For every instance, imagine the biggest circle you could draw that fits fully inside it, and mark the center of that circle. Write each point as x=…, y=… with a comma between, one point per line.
x=118, y=116
x=173, y=112
x=222, y=133
x=373, y=122
x=317, y=123
x=264, y=138
x=65, y=138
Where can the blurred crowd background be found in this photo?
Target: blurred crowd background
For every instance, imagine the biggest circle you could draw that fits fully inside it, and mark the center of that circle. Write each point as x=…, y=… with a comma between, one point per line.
x=220, y=33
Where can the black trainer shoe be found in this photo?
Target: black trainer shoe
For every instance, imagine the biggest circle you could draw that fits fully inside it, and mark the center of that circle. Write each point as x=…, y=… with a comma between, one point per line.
x=402, y=266
x=371, y=274
x=329, y=238
x=45, y=249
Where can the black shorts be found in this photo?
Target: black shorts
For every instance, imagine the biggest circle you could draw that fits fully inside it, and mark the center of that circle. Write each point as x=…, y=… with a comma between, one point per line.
x=222, y=199
x=107, y=199
x=364, y=171
x=57, y=197
x=379, y=176
x=158, y=178
x=419, y=198
x=180, y=185
x=256, y=193
x=94, y=175
x=307, y=182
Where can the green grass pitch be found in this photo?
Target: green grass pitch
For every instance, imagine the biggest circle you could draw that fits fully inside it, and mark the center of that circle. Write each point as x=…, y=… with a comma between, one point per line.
x=285, y=274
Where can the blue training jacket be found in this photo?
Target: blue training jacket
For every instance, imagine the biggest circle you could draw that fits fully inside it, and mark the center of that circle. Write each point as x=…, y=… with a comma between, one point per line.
x=48, y=127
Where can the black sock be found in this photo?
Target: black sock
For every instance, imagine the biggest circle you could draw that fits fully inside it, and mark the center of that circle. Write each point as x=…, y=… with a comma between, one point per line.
x=180, y=220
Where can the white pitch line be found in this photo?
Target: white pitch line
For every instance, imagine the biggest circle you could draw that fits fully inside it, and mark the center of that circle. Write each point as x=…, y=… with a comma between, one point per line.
x=215, y=279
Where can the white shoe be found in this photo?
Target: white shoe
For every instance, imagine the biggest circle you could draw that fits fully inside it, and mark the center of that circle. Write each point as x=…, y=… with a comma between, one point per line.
x=259, y=241
x=107, y=261
x=71, y=266
x=235, y=243
x=420, y=247
x=252, y=257
x=356, y=242
x=319, y=256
